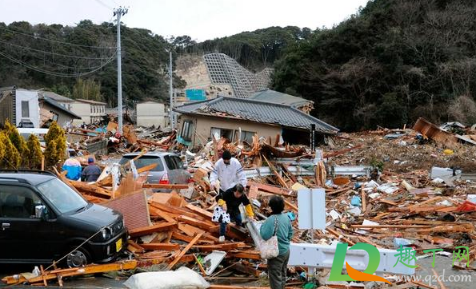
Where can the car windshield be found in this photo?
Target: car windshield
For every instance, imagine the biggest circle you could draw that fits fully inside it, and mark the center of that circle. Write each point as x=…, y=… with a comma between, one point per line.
x=144, y=161
x=62, y=197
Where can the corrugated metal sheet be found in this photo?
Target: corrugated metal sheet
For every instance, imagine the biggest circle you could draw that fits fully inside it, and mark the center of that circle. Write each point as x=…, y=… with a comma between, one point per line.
x=257, y=111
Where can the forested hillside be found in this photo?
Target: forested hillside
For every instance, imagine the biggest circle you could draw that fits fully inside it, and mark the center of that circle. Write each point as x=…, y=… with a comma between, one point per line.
x=255, y=50
x=58, y=57
x=394, y=61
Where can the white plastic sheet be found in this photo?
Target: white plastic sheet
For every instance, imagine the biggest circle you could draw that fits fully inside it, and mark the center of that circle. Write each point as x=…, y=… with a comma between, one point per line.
x=181, y=278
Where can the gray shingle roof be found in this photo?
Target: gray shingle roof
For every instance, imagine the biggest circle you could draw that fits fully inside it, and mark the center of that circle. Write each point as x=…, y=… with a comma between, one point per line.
x=257, y=111
x=55, y=96
x=60, y=107
x=273, y=96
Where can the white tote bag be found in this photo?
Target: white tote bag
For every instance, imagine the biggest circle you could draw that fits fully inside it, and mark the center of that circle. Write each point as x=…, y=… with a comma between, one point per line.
x=269, y=249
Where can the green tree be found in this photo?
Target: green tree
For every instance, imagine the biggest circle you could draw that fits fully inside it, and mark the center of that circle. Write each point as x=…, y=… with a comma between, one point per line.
x=87, y=89
x=34, y=152
x=18, y=142
x=52, y=156
x=55, y=145
x=11, y=158
x=390, y=63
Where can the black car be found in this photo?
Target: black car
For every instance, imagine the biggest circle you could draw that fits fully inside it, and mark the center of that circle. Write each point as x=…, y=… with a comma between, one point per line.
x=43, y=219
x=26, y=123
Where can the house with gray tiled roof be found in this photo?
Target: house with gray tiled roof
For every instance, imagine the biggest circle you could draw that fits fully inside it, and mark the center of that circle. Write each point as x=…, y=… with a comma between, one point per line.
x=239, y=119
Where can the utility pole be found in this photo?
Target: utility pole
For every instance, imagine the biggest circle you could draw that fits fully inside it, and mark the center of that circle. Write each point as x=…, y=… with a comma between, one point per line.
x=118, y=13
x=171, y=92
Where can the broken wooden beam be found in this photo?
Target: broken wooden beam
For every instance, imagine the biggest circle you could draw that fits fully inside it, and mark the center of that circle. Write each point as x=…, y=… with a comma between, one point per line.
x=165, y=186
x=161, y=246
x=272, y=189
x=152, y=229
x=89, y=269
x=185, y=250
x=208, y=226
x=221, y=247
x=91, y=189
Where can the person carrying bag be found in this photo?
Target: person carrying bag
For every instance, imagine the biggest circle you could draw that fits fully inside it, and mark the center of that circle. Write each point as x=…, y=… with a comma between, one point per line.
x=276, y=232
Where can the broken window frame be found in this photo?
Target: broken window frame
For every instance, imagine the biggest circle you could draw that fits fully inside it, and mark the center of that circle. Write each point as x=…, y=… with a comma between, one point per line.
x=223, y=132
x=187, y=130
x=245, y=135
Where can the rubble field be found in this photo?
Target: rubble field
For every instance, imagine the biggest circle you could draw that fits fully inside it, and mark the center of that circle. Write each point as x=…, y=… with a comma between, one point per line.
x=387, y=188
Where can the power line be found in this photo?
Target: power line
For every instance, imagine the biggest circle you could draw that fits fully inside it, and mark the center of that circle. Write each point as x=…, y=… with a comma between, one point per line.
x=58, y=74
x=104, y=5
x=57, y=41
x=54, y=53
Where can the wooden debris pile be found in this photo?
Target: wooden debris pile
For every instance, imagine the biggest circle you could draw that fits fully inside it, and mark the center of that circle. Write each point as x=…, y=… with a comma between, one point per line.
x=400, y=201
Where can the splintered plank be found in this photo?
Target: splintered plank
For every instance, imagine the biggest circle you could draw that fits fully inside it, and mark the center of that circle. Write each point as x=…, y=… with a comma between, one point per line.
x=134, y=247
x=200, y=211
x=222, y=247
x=291, y=205
x=165, y=186
x=91, y=189
x=90, y=269
x=192, y=231
x=152, y=229
x=146, y=168
x=208, y=226
x=272, y=189
x=158, y=212
x=172, y=210
x=184, y=251
x=254, y=255
x=161, y=246
x=181, y=237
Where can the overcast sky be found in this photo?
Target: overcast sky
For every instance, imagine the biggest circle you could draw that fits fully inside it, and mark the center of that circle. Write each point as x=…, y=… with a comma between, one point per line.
x=200, y=19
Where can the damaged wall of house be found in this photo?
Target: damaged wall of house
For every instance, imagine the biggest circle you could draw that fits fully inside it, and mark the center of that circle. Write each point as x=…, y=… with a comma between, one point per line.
x=205, y=126
x=50, y=113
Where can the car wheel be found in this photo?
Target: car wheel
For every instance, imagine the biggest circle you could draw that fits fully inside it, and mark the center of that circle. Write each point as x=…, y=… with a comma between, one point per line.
x=77, y=258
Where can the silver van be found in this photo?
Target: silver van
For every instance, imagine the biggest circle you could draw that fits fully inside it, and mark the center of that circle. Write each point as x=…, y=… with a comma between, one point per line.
x=169, y=170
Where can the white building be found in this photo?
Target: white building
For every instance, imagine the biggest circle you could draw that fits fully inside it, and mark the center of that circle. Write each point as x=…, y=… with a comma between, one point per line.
x=27, y=108
x=19, y=106
x=90, y=111
x=150, y=113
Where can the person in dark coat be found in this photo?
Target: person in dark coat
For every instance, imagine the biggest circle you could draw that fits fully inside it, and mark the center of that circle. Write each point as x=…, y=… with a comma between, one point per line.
x=229, y=201
x=91, y=173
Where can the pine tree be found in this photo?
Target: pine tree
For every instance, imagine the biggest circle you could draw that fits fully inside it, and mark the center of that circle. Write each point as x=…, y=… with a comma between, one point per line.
x=34, y=152
x=18, y=142
x=51, y=154
x=11, y=158
x=55, y=145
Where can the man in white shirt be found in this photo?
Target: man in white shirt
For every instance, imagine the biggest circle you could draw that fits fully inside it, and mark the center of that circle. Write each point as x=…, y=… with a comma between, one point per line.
x=229, y=174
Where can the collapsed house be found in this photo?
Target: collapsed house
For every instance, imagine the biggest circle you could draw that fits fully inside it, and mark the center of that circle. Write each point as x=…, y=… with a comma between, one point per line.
x=51, y=110
x=240, y=119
